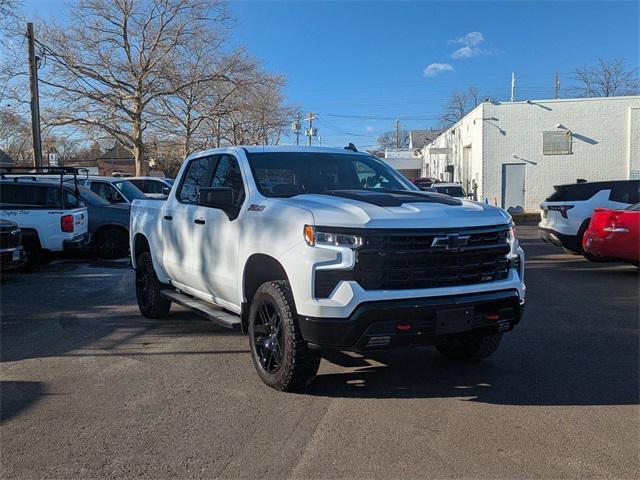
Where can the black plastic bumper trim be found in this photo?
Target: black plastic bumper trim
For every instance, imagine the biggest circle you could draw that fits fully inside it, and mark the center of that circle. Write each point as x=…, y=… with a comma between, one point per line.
x=380, y=319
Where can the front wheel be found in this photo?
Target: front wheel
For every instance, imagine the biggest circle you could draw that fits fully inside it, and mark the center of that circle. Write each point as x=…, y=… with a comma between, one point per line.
x=280, y=355
x=151, y=302
x=469, y=348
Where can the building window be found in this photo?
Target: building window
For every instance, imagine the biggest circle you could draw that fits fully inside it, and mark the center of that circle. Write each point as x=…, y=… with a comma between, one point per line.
x=557, y=142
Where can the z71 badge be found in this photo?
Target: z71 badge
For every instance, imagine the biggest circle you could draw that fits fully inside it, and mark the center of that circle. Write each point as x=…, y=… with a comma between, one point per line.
x=256, y=208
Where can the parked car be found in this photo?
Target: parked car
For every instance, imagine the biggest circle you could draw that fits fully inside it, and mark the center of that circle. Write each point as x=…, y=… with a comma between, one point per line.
x=51, y=219
x=153, y=187
x=295, y=247
x=114, y=189
x=424, y=182
x=614, y=235
x=12, y=254
x=566, y=213
x=451, y=189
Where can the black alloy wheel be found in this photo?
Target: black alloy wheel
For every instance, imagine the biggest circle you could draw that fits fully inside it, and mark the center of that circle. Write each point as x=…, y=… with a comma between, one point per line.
x=268, y=337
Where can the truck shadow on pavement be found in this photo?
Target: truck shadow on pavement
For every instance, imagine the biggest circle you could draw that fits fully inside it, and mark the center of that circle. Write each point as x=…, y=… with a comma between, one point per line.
x=545, y=378
x=18, y=396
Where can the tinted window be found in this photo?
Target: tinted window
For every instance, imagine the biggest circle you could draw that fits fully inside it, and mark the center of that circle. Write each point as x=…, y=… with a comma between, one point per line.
x=635, y=208
x=36, y=196
x=29, y=195
x=107, y=192
x=195, y=176
x=129, y=190
x=451, y=191
x=289, y=174
x=138, y=183
x=91, y=198
x=153, y=186
x=625, y=192
x=228, y=175
x=577, y=192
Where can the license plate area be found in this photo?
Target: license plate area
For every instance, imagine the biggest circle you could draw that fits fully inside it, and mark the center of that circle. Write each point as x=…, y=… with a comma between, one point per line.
x=455, y=320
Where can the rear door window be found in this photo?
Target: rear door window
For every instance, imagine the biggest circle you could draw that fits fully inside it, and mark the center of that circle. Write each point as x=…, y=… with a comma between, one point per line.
x=23, y=195
x=153, y=186
x=625, y=192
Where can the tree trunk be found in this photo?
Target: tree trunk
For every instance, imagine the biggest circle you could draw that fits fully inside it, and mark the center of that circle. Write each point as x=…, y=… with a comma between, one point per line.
x=138, y=145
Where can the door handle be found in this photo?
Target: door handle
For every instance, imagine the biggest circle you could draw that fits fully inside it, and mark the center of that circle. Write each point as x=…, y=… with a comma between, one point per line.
x=168, y=217
x=199, y=221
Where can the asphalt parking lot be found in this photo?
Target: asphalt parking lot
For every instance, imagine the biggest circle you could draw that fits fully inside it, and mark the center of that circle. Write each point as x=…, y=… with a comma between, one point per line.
x=89, y=388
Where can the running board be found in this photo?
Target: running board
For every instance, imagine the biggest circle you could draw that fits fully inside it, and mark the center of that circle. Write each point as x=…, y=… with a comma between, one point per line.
x=213, y=313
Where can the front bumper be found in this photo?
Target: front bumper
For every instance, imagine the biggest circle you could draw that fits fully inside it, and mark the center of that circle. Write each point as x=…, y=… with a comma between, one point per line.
x=412, y=322
x=76, y=243
x=11, y=258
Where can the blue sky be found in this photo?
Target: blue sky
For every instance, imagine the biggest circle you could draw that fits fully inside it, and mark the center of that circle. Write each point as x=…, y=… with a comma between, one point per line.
x=367, y=59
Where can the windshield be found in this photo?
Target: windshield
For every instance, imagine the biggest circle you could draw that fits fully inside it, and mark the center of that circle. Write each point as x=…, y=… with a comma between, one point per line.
x=169, y=181
x=292, y=173
x=129, y=190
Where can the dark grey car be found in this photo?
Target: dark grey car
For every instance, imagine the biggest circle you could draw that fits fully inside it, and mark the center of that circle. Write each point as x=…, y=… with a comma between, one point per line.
x=108, y=224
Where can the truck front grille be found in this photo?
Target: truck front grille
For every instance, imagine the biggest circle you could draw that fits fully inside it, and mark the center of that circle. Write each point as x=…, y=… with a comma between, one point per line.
x=415, y=259
x=7, y=240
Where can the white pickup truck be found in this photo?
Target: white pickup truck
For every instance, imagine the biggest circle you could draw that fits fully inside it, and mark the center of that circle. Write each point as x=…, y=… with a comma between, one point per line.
x=50, y=217
x=315, y=248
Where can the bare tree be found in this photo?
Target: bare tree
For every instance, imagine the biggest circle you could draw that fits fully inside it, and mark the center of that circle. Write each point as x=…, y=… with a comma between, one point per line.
x=461, y=103
x=609, y=78
x=256, y=113
x=211, y=80
x=15, y=137
x=110, y=63
x=388, y=139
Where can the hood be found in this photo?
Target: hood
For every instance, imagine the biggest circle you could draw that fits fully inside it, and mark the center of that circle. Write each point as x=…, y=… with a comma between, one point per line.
x=405, y=212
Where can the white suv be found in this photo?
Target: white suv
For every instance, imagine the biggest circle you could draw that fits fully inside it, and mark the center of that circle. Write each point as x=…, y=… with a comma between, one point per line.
x=566, y=213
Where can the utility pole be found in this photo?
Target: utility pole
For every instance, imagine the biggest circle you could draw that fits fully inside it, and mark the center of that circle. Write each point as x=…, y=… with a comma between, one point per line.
x=311, y=132
x=35, y=99
x=397, y=133
x=513, y=86
x=296, y=128
x=556, y=85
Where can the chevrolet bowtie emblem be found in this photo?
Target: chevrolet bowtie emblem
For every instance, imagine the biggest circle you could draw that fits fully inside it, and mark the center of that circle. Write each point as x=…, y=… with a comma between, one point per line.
x=451, y=241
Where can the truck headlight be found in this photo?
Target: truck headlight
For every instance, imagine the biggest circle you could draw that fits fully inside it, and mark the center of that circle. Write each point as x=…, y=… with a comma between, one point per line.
x=315, y=237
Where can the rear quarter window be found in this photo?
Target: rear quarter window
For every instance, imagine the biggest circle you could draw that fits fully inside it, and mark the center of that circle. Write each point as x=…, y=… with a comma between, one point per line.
x=576, y=193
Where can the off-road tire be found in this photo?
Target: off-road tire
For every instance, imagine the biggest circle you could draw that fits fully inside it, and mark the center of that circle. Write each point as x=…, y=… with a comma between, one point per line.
x=112, y=243
x=299, y=364
x=469, y=348
x=151, y=302
x=33, y=252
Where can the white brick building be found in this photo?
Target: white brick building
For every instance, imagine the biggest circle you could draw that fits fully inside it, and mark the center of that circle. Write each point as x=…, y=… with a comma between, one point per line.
x=498, y=148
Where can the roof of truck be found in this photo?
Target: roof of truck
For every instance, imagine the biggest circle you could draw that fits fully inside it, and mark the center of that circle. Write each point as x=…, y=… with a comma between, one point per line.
x=277, y=149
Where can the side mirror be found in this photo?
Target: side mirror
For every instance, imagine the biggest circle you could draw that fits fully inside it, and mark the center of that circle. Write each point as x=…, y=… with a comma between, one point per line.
x=217, y=197
x=166, y=191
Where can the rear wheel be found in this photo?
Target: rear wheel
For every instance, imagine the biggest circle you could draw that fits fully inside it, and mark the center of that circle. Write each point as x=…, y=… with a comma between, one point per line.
x=280, y=355
x=151, y=302
x=33, y=253
x=469, y=348
x=112, y=243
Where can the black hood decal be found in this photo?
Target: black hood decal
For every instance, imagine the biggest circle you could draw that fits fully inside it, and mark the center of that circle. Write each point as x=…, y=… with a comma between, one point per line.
x=393, y=198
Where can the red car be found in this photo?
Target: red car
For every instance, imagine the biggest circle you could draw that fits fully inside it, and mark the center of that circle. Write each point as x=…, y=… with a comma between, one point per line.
x=613, y=235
